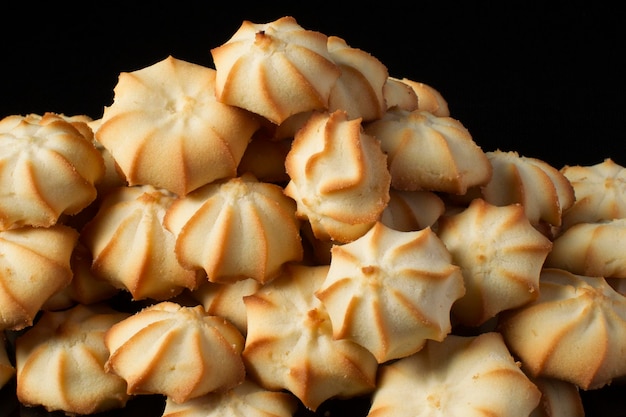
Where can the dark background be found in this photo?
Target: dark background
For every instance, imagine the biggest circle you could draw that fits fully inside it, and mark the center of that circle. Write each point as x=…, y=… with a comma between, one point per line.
x=546, y=79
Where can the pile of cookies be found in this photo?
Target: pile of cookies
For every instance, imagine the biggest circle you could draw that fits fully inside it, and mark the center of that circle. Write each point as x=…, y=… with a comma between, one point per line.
x=296, y=226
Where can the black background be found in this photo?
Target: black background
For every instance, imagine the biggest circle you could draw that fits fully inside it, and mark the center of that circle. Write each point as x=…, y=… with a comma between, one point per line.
x=544, y=79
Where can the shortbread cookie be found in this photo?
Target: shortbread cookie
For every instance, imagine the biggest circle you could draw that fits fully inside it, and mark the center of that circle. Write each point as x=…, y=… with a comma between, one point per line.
x=236, y=229
x=459, y=376
x=390, y=291
x=81, y=122
x=60, y=362
x=399, y=94
x=47, y=169
x=500, y=254
x=575, y=331
x=34, y=265
x=113, y=175
x=131, y=248
x=428, y=98
x=600, y=191
x=162, y=349
x=592, y=249
x=339, y=177
x=359, y=89
x=166, y=129
x=290, y=345
x=85, y=287
x=412, y=210
x=226, y=300
x=543, y=191
x=275, y=69
x=558, y=398
x=245, y=400
x=427, y=152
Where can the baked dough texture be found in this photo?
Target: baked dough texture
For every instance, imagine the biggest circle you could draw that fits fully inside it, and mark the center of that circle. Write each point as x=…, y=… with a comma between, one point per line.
x=166, y=129
x=500, y=254
x=428, y=98
x=290, y=344
x=245, y=400
x=600, y=191
x=34, y=265
x=575, y=331
x=60, y=362
x=47, y=169
x=592, y=249
x=428, y=152
x=339, y=176
x=236, y=229
x=390, y=291
x=275, y=69
x=459, y=376
x=359, y=89
x=131, y=248
x=558, y=398
x=543, y=191
x=226, y=300
x=85, y=287
x=162, y=349
x=113, y=176
x=295, y=232
x=412, y=210
x=399, y=94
